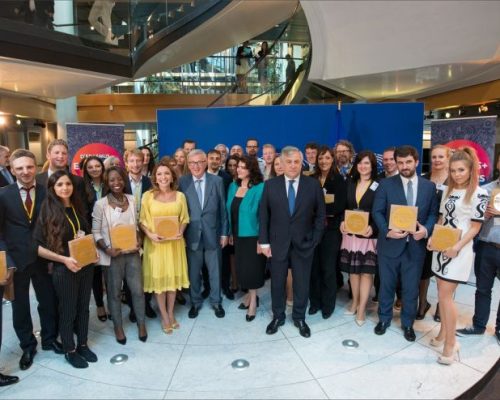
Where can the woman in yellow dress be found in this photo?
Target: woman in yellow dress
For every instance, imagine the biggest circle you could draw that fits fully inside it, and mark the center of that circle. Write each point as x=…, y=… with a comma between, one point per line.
x=164, y=260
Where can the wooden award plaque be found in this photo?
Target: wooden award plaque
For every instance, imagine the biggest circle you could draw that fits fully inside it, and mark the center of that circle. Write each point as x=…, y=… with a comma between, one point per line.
x=329, y=198
x=166, y=227
x=356, y=222
x=495, y=199
x=444, y=237
x=403, y=218
x=124, y=237
x=3, y=265
x=83, y=250
x=307, y=173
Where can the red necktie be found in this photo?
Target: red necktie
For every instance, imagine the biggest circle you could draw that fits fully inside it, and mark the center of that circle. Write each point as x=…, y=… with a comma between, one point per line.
x=28, y=203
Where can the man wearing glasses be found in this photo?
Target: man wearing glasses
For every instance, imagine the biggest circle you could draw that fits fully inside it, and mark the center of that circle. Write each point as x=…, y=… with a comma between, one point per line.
x=207, y=232
x=344, y=151
x=252, y=148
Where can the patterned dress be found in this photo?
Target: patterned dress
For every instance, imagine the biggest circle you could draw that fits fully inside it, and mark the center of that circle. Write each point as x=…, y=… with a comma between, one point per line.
x=458, y=214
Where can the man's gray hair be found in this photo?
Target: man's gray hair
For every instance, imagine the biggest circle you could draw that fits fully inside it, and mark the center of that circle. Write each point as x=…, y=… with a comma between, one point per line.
x=196, y=152
x=4, y=149
x=288, y=150
x=222, y=145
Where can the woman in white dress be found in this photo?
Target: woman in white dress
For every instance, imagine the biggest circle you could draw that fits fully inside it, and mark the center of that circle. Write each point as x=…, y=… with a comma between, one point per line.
x=462, y=207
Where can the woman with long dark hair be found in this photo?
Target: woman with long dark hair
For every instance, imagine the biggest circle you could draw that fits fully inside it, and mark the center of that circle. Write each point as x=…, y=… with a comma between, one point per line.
x=93, y=171
x=323, y=285
x=61, y=220
x=358, y=253
x=149, y=160
x=243, y=200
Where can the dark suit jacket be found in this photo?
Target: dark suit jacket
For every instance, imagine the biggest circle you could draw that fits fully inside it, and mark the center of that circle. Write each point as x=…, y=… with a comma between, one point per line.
x=146, y=185
x=303, y=229
x=3, y=181
x=391, y=191
x=365, y=204
x=226, y=179
x=17, y=230
x=211, y=221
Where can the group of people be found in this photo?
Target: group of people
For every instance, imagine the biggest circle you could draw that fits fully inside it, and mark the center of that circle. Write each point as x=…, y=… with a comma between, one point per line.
x=239, y=218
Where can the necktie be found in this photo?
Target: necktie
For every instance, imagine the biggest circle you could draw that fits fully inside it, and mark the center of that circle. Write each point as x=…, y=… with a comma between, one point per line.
x=291, y=196
x=198, y=191
x=7, y=175
x=28, y=202
x=409, y=193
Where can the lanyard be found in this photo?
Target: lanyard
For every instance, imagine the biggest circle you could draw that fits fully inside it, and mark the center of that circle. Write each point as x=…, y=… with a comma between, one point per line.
x=71, y=222
x=29, y=213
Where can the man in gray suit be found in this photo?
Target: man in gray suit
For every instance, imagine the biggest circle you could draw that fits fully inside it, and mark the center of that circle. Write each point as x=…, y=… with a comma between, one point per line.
x=207, y=232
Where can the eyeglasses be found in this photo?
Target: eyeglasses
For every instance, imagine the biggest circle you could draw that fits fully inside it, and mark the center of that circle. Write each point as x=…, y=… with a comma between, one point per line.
x=342, y=151
x=197, y=163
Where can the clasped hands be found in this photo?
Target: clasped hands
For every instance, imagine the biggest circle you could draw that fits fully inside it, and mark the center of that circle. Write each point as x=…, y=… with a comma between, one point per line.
x=419, y=234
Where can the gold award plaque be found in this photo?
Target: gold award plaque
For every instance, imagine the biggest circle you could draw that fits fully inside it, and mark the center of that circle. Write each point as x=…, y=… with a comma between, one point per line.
x=83, y=250
x=444, y=237
x=167, y=227
x=3, y=265
x=329, y=198
x=356, y=222
x=495, y=199
x=124, y=237
x=403, y=218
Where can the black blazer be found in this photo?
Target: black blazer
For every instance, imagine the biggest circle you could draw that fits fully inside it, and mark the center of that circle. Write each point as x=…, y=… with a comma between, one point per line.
x=17, y=230
x=3, y=181
x=365, y=204
x=226, y=179
x=146, y=185
x=303, y=229
x=337, y=186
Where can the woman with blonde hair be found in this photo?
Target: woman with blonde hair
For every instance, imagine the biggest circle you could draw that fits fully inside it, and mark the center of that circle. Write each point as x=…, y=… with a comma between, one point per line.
x=463, y=207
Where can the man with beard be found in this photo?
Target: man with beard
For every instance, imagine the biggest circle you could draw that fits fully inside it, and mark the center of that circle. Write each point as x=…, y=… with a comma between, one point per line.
x=344, y=151
x=401, y=254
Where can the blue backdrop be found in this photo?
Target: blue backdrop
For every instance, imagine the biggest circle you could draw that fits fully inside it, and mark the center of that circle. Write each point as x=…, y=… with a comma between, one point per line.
x=367, y=126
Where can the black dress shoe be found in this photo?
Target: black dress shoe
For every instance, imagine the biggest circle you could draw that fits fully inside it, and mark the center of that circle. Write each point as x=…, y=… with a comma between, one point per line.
x=250, y=318
x=150, y=313
x=409, y=334
x=228, y=294
x=470, y=330
x=193, y=312
x=273, y=326
x=6, y=380
x=313, y=310
x=179, y=298
x=27, y=359
x=326, y=314
x=219, y=311
x=87, y=354
x=76, y=360
x=381, y=328
x=55, y=346
x=132, y=317
x=303, y=328
x=422, y=316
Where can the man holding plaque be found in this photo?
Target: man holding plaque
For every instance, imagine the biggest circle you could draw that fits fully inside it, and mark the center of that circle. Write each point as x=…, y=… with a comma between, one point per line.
x=401, y=252
x=20, y=205
x=207, y=232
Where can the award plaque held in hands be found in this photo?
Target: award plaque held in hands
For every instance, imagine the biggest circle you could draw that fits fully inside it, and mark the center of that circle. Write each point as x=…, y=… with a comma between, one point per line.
x=495, y=199
x=83, y=250
x=124, y=237
x=3, y=265
x=356, y=222
x=444, y=237
x=166, y=227
x=403, y=218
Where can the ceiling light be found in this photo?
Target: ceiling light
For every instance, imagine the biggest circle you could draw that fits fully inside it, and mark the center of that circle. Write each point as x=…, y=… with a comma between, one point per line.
x=483, y=108
x=447, y=115
x=3, y=120
x=18, y=122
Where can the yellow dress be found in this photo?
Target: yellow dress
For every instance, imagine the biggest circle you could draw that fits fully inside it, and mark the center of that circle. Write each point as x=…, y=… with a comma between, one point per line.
x=164, y=264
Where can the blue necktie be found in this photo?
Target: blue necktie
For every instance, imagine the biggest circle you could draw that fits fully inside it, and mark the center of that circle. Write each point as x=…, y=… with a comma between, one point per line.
x=291, y=196
x=409, y=193
x=198, y=191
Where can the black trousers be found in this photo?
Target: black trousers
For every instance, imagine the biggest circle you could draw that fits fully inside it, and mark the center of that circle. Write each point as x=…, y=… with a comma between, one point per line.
x=73, y=293
x=323, y=287
x=226, y=269
x=97, y=286
x=36, y=273
x=301, y=273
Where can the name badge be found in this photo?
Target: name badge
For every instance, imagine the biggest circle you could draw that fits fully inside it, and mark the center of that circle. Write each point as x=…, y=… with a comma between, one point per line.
x=441, y=187
x=80, y=234
x=374, y=186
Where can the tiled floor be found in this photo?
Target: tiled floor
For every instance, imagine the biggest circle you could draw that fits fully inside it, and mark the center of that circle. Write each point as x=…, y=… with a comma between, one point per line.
x=195, y=362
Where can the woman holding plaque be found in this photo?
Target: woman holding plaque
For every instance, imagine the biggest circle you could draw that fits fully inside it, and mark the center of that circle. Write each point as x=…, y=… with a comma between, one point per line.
x=93, y=170
x=243, y=200
x=358, y=253
x=62, y=220
x=462, y=207
x=440, y=156
x=117, y=210
x=323, y=286
x=164, y=260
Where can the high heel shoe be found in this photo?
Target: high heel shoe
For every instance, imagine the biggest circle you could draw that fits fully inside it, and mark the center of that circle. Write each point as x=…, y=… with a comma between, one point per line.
x=242, y=306
x=436, y=343
x=250, y=318
x=144, y=337
x=122, y=341
x=176, y=325
x=168, y=329
x=448, y=360
x=349, y=312
x=102, y=317
x=360, y=322
x=421, y=316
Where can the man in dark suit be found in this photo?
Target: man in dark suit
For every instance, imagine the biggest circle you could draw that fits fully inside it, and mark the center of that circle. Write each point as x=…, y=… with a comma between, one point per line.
x=6, y=178
x=292, y=219
x=401, y=254
x=6, y=379
x=20, y=205
x=137, y=184
x=207, y=232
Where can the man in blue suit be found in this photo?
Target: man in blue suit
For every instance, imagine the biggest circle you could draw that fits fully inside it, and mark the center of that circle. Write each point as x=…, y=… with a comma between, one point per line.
x=207, y=232
x=401, y=254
